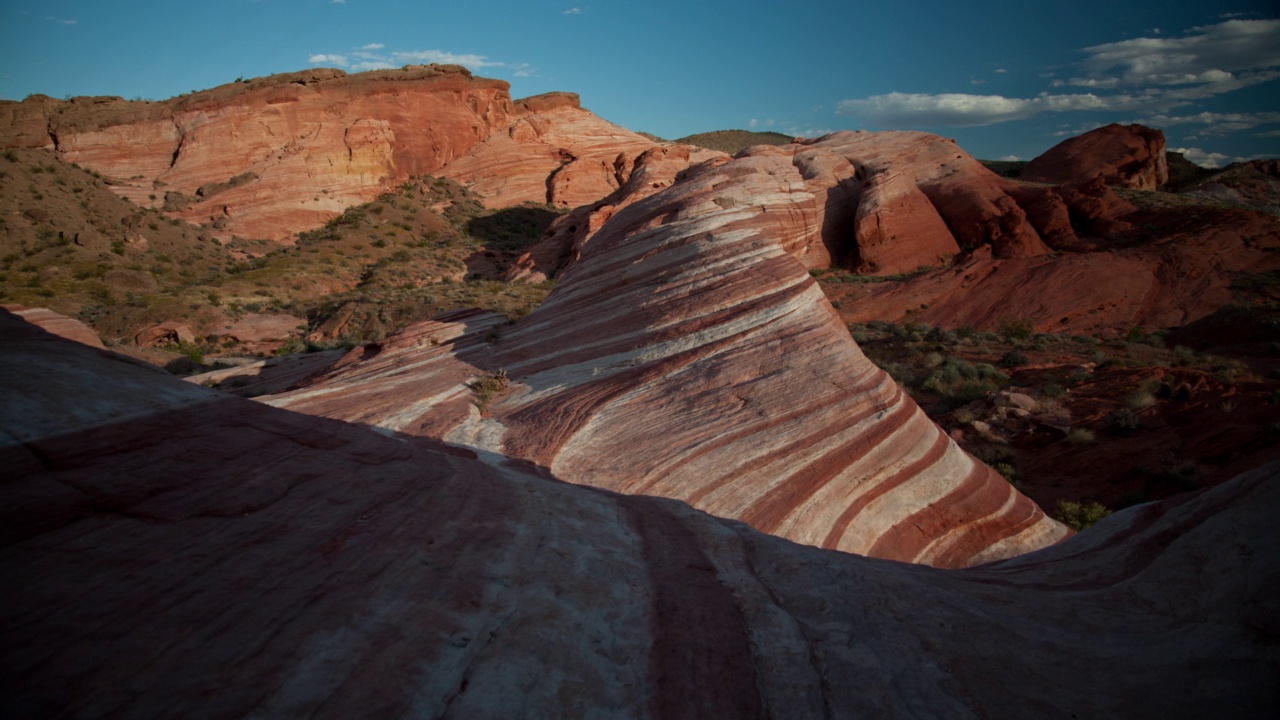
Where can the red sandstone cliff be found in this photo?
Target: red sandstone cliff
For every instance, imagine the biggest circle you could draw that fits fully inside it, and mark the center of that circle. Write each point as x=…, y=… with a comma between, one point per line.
x=277, y=155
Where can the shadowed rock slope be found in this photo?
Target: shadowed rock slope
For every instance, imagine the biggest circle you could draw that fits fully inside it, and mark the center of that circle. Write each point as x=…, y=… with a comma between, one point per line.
x=175, y=552
x=689, y=354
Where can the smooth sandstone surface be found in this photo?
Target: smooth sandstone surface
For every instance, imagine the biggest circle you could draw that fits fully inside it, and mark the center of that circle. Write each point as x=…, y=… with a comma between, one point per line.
x=176, y=552
x=689, y=354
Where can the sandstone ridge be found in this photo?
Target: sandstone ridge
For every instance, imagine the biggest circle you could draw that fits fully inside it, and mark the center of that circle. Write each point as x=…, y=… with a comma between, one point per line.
x=265, y=563
x=688, y=353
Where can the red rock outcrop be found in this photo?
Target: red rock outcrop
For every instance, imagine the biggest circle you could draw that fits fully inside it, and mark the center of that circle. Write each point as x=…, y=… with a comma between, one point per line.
x=187, y=554
x=689, y=354
x=169, y=331
x=274, y=156
x=1168, y=282
x=1131, y=156
x=557, y=153
x=271, y=156
x=884, y=203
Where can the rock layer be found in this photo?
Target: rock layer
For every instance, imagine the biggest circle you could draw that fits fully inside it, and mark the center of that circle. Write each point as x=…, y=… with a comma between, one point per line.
x=259, y=562
x=689, y=354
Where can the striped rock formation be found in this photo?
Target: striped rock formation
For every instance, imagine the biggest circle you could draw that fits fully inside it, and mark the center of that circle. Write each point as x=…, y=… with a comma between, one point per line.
x=887, y=203
x=176, y=552
x=689, y=354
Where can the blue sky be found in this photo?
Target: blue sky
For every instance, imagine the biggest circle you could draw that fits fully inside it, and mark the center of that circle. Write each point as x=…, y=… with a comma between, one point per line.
x=1003, y=79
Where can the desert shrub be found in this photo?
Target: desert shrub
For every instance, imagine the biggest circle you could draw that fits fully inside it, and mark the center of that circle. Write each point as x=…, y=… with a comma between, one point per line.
x=1016, y=329
x=1081, y=436
x=1123, y=422
x=487, y=387
x=1014, y=358
x=964, y=381
x=1080, y=516
x=1009, y=472
x=192, y=351
x=1053, y=391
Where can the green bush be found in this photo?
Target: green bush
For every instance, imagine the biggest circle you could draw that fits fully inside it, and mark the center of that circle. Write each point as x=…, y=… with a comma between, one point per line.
x=1014, y=358
x=1080, y=516
x=964, y=381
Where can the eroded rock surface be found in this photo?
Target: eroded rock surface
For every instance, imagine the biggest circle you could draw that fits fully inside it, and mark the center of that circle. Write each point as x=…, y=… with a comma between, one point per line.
x=688, y=353
x=185, y=553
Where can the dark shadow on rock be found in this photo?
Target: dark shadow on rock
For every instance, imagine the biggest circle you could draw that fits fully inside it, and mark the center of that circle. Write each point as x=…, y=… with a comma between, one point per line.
x=516, y=228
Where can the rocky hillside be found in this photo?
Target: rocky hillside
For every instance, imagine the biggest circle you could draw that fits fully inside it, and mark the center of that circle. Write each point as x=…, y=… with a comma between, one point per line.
x=260, y=562
x=273, y=156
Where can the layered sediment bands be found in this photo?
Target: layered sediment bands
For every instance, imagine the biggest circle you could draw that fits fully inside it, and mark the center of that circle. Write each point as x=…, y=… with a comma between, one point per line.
x=689, y=354
x=188, y=554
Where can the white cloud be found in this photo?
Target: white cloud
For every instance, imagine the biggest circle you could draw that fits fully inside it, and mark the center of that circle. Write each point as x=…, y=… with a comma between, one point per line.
x=328, y=59
x=337, y=2
x=1001, y=71
x=1144, y=75
x=963, y=110
x=468, y=60
x=573, y=11
x=70, y=22
x=1206, y=54
x=1268, y=134
x=753, y=122
x=1204, y=158
x=368, y=57
x=1011, y=158
x=1217, y=123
